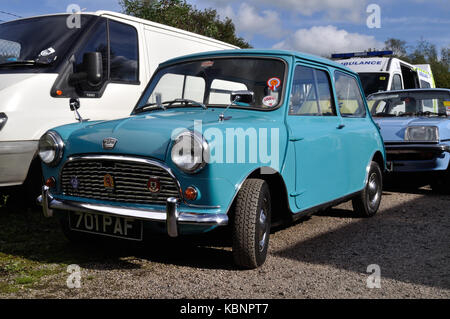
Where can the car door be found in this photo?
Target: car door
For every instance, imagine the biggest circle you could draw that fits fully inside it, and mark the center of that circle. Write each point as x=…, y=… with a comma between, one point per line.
x=315, y=135
x=357, y=129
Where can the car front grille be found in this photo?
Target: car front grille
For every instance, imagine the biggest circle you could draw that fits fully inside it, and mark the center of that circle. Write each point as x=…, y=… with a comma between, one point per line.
x=88, y=178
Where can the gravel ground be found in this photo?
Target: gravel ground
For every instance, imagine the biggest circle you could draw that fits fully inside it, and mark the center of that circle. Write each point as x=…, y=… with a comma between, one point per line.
x=324, y=256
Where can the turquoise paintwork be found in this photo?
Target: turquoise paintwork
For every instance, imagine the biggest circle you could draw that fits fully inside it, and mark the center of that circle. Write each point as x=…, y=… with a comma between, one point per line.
x=318, y=161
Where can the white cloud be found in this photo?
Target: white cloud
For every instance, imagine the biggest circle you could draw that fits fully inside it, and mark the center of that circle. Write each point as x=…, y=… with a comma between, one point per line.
x=325, y=40
x=249, y=22
x=335, y=10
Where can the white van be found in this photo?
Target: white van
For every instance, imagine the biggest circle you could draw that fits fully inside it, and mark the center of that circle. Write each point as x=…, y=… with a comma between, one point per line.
x=379, y=71
x=105, y=60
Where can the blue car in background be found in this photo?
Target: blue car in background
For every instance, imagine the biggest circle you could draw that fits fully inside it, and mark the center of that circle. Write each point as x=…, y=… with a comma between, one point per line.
x=244, y=138
x=415, y=125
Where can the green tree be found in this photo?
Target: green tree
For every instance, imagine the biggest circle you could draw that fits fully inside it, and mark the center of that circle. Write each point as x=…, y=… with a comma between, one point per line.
x=397, y=46
x=180, y=14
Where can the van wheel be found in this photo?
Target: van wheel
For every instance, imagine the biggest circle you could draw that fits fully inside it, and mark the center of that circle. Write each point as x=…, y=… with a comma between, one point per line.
x=366, y=204
x=441, y=184
x=251, y=226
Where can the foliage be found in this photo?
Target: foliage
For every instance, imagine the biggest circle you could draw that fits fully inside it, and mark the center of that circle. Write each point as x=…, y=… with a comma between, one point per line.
x=180, y=14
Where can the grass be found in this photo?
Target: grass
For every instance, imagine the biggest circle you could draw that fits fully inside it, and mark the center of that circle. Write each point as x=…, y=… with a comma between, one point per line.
x=31, y=248
x=34, y=254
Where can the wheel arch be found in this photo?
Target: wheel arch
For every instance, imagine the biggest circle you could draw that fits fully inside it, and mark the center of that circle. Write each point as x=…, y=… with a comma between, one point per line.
x=278, y=193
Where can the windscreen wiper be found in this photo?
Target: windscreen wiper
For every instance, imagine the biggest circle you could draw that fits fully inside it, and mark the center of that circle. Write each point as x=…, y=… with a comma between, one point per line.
x=22, y=62
x=169, y=103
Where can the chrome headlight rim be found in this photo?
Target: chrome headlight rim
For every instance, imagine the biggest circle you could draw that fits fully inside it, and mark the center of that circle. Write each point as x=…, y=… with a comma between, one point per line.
x=58, y=144
x=423, y=127
x=201, y=141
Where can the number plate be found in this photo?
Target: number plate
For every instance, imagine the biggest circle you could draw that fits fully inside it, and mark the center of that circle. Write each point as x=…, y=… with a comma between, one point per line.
x=107, y=225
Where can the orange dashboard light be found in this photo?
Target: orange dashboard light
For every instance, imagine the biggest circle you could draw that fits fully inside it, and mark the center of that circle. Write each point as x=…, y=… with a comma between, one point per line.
x=191, y=193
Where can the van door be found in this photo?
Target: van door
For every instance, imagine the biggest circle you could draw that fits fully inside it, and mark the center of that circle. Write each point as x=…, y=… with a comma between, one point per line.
x=122, y=78
x=315, y=133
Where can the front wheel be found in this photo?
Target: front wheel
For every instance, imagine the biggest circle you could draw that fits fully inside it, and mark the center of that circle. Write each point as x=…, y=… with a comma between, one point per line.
x=366, y=204
x=251, y=226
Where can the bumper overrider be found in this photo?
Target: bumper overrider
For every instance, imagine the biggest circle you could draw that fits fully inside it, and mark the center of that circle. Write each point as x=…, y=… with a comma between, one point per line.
x=171, y=215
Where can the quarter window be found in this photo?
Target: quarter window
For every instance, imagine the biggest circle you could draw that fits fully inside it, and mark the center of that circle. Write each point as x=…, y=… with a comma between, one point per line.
x=123, y=52
x=98, y=42
x=349, y=96
x=311, y=93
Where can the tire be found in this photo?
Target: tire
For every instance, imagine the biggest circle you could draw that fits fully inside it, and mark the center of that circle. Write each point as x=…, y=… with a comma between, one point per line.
x=441, y=184
x=251, y=224
x=366, y=204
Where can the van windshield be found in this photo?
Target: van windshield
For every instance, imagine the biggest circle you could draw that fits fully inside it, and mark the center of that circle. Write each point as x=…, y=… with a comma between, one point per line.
x=374, y=82
x=211, y=83
x=40, y=40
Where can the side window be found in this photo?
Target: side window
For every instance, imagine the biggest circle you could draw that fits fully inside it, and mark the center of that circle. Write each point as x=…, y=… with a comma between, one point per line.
x=349, y=96
x=98, y=42
x=311, y=93
x=123, y=52
x=396, y=82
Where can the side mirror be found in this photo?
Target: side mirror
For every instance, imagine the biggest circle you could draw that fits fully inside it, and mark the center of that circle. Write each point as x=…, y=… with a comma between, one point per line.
x=93, y=65
x=92, y=70
x=242, y=97
x=74, y=104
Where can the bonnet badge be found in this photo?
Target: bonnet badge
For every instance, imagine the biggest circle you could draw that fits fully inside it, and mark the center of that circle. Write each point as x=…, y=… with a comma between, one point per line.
x=109, y=143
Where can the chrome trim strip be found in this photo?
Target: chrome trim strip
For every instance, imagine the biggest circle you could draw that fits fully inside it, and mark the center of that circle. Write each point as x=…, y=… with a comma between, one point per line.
x=140, y=161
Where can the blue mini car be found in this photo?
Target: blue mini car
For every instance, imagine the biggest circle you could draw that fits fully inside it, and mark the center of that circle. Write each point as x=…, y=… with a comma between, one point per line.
x=415, y=125
x=244, y=138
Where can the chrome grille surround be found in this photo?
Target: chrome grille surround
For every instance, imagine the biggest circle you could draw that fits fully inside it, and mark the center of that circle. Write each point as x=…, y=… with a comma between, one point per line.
x=130, y=179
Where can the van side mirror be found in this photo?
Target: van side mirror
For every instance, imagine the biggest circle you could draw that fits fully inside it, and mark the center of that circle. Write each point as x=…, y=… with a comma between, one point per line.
x=92, y=70
x=242, y=97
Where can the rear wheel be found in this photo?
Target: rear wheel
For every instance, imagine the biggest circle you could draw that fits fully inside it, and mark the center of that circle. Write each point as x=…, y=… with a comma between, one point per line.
x=366, y=204
x=251, y=226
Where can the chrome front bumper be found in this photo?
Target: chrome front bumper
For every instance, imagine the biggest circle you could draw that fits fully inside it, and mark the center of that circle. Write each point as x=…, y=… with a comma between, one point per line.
x=171, y=216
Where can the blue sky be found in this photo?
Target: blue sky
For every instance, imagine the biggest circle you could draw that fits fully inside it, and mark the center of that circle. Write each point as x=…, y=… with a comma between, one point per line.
x=313, y=26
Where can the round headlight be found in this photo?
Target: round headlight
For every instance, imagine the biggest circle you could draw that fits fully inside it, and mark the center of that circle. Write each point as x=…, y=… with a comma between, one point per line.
x=422, y=134
x=51, y=148
x=190, y=152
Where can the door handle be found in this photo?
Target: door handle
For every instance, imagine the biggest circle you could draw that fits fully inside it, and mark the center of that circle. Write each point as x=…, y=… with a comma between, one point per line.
x=340, y=126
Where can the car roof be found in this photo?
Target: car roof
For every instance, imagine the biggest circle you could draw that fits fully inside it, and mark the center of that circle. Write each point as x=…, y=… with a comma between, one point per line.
x=267, y=52
x=441, y=90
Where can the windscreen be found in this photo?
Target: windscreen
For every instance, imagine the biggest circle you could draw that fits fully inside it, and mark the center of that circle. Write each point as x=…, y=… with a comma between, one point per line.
x=41, y=39
x=425, y=103
x=374, y=82
x=211, y=82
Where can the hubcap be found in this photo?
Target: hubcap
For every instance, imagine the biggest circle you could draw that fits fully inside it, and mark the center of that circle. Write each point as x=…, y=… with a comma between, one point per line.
x=263, y=227
x=373, y=189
